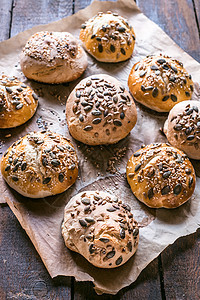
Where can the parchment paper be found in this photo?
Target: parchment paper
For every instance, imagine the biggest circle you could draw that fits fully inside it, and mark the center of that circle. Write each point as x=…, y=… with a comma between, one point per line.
x=42, y=218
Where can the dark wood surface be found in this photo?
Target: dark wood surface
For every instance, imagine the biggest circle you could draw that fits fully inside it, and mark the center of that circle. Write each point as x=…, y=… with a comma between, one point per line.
x=175, y=274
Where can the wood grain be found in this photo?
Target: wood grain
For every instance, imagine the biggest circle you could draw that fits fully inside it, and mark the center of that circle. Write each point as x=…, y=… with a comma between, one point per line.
x=5, y=17
x=27, y=14
x=147, y=286
x=80, y=4
x=181, y=268
x=177, y=19
x=24, y=275
x=197, y=8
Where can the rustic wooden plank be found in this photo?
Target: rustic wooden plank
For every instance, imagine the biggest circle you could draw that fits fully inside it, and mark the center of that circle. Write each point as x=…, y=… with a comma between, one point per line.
x=24, y=275
x=147, y=286
x=5, y=17
x=181, y=264
x=197, y=8
x=80, y=4
x=27, y=14
x=177, y=19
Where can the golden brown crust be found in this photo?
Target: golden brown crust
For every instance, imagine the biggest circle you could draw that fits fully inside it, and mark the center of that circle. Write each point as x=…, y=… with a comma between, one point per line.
x=161, y=176
x=40, y=164
x=53, y=57
x=18, y=102
x=108, y=37
x=101, y=228
x=159, y=82
x=182, y=128
x=100, y=111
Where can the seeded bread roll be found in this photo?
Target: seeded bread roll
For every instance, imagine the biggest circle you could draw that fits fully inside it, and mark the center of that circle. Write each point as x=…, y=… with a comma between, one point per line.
x=108, y=37
x=159, y=82
x=100, y=111
x=182, y=128
x=40, y=164
x=161, y=176
x=18, y=102
x=101, y=228
x=53, y=57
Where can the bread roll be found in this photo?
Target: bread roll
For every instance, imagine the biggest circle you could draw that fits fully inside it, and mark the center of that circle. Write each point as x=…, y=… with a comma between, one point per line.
x=108, y=37
x=159, y=82
x=182, y=128
x=100, y=111
x=161, y=176
x=101, y=228
x=53, y=57
x=18, y=102
x=40, y=164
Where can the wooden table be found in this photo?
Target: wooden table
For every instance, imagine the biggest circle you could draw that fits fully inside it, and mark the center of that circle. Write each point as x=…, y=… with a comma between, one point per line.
x=175, y=274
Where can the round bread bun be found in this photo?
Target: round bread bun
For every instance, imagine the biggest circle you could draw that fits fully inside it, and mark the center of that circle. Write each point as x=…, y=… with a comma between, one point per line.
x=100, y=111
x=40, y=164
x=18, y=102
x=159, y=82
x=101, y=228
x=182, y=128
x=53, y=57
x=108, y=37
x=161, y=176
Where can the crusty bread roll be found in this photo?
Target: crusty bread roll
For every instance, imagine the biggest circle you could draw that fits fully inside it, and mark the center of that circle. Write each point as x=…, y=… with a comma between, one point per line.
x=40, y=164
x=101, y=228
x=108, y=37
x=53, y=57
x=161, y=176
x=100, y=111
x=18, y=102
x=182, y=128
x=159, y=82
